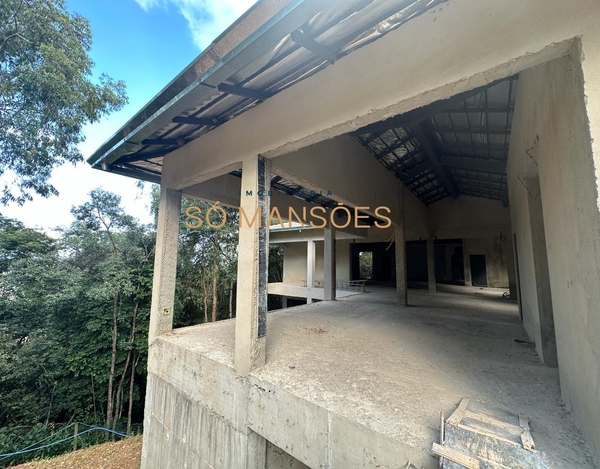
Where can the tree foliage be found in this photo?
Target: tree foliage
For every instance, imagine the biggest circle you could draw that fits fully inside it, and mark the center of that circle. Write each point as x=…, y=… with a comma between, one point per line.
x=74, y=314
x=74, y=322
x=46, y=92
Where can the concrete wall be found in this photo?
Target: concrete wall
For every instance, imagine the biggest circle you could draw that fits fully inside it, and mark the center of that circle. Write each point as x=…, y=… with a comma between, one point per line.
x=495, y=259
x=471, y=217
x=551, y=124
x=201, y=414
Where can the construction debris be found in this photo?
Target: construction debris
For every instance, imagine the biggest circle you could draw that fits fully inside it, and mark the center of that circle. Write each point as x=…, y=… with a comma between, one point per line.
x=477, y=436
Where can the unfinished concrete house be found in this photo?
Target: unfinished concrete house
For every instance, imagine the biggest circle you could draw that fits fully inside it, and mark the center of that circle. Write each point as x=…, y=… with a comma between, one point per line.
x=475, y=124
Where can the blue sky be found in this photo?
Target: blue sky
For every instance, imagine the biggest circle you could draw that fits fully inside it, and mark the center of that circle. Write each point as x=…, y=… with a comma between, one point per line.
x=144, y=43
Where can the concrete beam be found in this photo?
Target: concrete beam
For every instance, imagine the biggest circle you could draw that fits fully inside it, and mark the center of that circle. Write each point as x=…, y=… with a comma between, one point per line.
x=329, y=264
x=320, y=168
x=225, y=189
x=252, y=277
x=165, y=263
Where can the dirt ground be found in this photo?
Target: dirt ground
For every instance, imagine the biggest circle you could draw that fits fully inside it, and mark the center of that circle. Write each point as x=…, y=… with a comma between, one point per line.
x=124, y=454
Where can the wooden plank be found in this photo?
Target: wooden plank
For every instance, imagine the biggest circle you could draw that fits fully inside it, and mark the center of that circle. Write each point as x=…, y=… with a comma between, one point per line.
x=484, y=432
x=455, y=456
x=459, y=413
x=526, y=438
x=524, y=422
x=492, y=452
x=494, y=412
x=515, y=429
x=442, y=432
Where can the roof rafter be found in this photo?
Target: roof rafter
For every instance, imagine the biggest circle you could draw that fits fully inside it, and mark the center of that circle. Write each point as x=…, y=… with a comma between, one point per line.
x=241, y=91
x=420, y=133
x=310, y=44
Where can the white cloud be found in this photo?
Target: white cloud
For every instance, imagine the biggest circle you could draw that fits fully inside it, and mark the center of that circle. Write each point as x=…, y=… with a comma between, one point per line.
x=148, y=4
x=206, y=18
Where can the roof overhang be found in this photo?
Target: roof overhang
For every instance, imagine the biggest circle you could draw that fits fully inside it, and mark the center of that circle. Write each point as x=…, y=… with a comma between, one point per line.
x=270, y=48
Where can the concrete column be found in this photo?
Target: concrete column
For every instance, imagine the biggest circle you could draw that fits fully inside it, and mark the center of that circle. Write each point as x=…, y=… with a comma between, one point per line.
x=165, y=263
x=329, y=278
x=510, y=265
x=284, y=302
x=467, y=263
x=253, y=258
x=431, y=265
x=547, y=348
x=256, y=451
x=400, y=246
x=310, y=269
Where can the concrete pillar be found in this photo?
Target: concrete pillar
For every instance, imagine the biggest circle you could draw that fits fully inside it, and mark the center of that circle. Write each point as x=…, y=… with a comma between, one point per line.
x=467, y=263
x=165, y=263
x=400, y=246
x=547, y=349
x=256, y=451
x=329, y=278
x=431, y=265
x=509, y=255
x=310, y=269
x=253, y=258
x=284, y=302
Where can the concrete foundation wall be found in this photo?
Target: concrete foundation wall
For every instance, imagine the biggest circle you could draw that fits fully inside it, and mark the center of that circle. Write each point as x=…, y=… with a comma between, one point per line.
x=201, y=414
x=551, y=134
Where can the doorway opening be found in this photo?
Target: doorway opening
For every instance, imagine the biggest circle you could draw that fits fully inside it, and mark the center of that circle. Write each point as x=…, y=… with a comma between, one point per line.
x=478, y=270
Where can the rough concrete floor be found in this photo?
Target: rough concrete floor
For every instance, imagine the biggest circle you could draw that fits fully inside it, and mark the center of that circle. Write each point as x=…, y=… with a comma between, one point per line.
x=395, y=369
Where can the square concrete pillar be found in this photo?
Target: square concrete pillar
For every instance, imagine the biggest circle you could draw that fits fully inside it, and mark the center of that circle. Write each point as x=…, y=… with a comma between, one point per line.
x=256, y=451
x=253, y=258
x=310, y=269
x=431, y=265
x=329, y=274
x=510, y=265
x=467, y=263
x=547, y=347
x=165, y=263
x=400, y=246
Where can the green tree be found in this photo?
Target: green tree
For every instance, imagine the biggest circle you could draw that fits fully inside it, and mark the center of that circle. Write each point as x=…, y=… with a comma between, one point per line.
x=46, y=92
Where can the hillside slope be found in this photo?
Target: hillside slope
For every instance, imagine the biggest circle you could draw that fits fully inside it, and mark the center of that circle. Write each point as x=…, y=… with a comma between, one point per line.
x=123, y=454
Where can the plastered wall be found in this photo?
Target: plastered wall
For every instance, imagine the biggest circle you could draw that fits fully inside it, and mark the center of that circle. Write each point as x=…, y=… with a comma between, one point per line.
x=551, y=131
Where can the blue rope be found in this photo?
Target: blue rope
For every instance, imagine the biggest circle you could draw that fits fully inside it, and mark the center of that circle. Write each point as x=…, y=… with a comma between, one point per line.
x=29, y=450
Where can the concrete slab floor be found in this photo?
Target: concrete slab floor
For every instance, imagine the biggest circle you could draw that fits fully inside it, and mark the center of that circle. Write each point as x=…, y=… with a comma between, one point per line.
x=395, y=369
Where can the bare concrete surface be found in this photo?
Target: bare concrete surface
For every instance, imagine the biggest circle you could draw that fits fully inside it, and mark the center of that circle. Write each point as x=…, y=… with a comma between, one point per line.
x=394, y=369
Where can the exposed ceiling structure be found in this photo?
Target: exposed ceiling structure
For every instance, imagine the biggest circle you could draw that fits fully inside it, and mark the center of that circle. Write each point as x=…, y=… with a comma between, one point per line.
x=452, y=147
x=302, y=39
x=456, y=146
